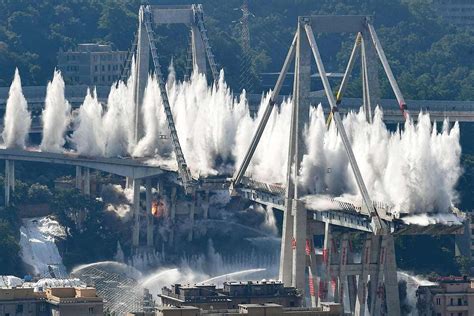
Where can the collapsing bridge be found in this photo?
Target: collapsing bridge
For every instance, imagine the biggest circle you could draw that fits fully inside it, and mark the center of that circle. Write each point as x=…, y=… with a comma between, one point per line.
x=333, y=271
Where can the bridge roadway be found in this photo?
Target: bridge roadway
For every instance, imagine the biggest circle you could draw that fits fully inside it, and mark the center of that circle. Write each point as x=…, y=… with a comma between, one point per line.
x=126, y=167
x=344, y=214
x=462, y=111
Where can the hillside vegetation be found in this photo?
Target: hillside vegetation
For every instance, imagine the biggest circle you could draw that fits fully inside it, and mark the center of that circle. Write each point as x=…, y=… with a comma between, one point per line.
x=432, y=59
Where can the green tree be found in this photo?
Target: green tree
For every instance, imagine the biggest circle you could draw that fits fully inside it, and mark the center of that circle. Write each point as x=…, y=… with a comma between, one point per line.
x=38, y=193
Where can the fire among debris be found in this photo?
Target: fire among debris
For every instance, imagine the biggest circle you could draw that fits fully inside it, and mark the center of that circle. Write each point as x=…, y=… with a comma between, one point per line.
x=158, y=208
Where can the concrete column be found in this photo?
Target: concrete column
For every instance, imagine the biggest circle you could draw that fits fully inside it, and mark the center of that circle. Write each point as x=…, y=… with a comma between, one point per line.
x=141, y=75
x=79, y=178
x=301, y=111
x=326, y=292
x=351, y=279
x=172, y=213
x=12, y=175
x=294, y=223
x=376, y=278
x=159, y=188
x=199, y=53
x=136, y=213
x=7, y=180
x=312, y=272
x=128, y=182
x=205, y=206
x=286, y=251
x=390, y=276
x=87, y=181
x=366, y=105
x=149, y=215
x=342, y=278
x=173, y=203
x=372, y=66
x=191, y=217
x=361, y=299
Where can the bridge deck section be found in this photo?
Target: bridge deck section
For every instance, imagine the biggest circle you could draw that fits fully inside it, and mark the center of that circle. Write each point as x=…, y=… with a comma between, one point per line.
x=127, y=167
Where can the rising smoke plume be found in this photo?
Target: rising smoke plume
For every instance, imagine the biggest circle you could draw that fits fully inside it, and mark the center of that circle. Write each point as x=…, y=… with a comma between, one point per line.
x=88, y=135
x=56, y=115
x=17, y=120
x=414, y=169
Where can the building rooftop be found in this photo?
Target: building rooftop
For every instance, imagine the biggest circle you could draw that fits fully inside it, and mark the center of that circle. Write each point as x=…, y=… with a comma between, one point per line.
x=93, y=47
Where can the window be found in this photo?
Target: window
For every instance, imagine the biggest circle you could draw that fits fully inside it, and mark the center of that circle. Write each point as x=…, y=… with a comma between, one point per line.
x=451, y=301
x=459, y=301
x=91, y=310
x=19, y=308
x=108, y=68
x=96, y=68
x=95, y=79
x=438, y=301
x=103, y=67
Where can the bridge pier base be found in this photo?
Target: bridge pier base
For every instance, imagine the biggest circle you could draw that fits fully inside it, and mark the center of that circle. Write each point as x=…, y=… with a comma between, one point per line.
x=334, y=273
x=9, y=180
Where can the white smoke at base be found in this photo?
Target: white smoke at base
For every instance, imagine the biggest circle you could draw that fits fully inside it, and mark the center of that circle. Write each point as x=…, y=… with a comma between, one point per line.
x=56, y=116
x=431, y=219
x=155, y=125
x=88, y=135
x=269, y=224
x=17, y=120
x=116, y=129
x=415, y=169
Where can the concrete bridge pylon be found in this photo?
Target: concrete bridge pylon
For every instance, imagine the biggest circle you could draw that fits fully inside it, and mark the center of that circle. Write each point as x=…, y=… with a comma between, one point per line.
x=332, y=271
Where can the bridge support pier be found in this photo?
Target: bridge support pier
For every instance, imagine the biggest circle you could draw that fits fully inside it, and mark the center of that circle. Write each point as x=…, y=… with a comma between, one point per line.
x=192, y=210
x=172, y=213
x=136, y=213
x=83, y=180
x=9, y=180
x=292, y=261
x=79, y=178
x=141, y=74
x=205, y=205
x=149, y=215
x=87, y=181
x=199, y=53
x=334, y=273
